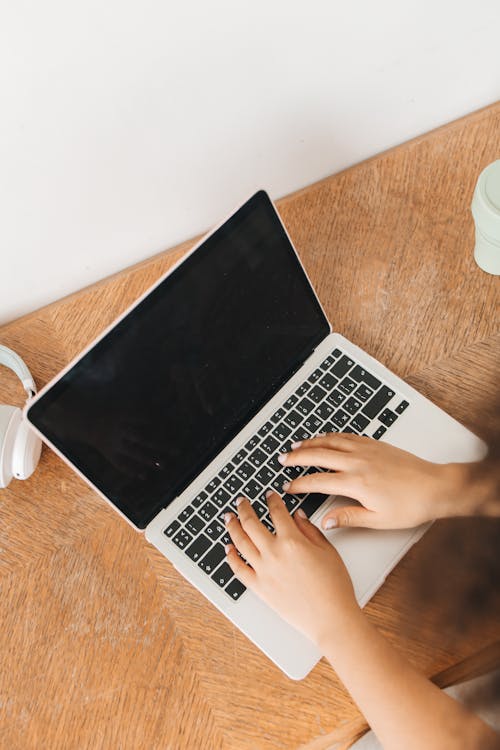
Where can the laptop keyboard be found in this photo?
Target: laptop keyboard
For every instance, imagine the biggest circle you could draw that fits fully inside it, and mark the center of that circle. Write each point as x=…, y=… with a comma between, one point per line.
x=339, y=396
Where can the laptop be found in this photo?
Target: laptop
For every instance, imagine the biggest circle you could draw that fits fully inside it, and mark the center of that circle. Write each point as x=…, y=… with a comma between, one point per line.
x=185, y=401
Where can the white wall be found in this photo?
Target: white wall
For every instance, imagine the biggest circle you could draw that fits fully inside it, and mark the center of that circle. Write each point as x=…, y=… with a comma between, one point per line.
x=127, y=126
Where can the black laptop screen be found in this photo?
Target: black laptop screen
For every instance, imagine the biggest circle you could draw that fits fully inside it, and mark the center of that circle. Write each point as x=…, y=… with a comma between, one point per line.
x=155, y=400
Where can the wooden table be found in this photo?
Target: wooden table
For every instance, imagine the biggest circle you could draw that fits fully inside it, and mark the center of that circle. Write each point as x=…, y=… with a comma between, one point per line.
x=104, y=645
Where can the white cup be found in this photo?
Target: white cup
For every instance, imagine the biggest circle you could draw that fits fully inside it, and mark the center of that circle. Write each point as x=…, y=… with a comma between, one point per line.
x=486, y=212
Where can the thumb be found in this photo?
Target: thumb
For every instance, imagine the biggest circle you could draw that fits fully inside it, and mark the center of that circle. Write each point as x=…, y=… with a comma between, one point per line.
x=351, y=515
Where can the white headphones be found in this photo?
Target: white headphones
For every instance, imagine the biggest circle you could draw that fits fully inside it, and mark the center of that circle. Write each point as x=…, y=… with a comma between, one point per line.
x=19, y=446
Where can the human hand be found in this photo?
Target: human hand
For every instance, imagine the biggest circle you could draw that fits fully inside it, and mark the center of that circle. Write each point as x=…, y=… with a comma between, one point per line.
x=395, y=488
x=296, y=571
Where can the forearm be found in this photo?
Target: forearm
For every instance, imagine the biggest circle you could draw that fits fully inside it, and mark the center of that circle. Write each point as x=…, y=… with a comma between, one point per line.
x=404, y=709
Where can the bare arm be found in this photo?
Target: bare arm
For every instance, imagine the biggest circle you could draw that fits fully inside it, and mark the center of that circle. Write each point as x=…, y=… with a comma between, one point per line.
x=404, y=709
x=300, y=574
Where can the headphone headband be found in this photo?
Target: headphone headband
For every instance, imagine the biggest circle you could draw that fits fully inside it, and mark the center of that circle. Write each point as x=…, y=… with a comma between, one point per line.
x=14, y=362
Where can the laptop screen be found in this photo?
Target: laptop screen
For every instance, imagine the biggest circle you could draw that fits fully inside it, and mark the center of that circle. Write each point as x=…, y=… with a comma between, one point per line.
x=154, y=401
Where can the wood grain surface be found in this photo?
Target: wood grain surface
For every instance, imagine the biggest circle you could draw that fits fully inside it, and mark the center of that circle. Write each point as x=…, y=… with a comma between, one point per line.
x=103, y=644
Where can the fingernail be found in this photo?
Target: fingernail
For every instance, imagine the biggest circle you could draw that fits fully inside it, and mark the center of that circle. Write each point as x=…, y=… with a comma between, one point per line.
x=296, y=445
x=286, y=486
x=239, y=500
x=299, y=512
x=268, y=494
x=228, y=517
x=330, y=523
x=282, y=458
x=228, y=548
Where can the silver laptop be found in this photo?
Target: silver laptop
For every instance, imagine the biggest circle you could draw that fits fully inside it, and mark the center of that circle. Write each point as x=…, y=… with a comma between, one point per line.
x=185, y=402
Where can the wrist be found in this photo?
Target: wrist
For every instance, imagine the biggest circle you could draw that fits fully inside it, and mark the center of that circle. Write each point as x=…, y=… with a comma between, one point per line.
x=336, y=627
x=464, y=490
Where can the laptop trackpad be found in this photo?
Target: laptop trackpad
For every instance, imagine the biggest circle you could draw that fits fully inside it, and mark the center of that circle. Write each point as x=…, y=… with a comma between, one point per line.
x=368, y=554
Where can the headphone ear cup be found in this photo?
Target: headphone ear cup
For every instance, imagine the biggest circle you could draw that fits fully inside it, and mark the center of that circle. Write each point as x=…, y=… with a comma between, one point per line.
x=10, y=419
x=27, y=449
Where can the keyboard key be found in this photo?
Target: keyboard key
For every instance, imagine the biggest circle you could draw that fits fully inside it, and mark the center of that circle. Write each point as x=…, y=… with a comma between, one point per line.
x=225, y=472
x=328, y=362
x=226, y=538
x=360, y=375
x=363, y=392
x=313, y=424
x=212, y=559
x=267, y=427
x=185, y=513
x=208, y=511
x=252, y=489
x=257, y=458
x=170, y=530
x=282, y=431
x=377, y=402
x=259, y=509
x=349, y=429
x=401, y=407
x=214, y=529
x=291, y=401
x=235, y=589
x=340, y=418
x=252, y=443
x=278, y=416
x=378, y=433
x=270, y=444
x=286, y=446
x=293, y=419
x=300, y=434
x=199, y=499
x=302, y=389
x=265, y=475
x=212, y=485
x=305, y=406
x=182, y=538
x=221, y=497
x=245, y=471
x=291, y=502
x=328, y=381
x=317, y=394
x=324, y=410
x=336, y=398
x=330, y=427
x=278, y=482
x=312, y=502
x=293, y=472
x=388, y=417
x=347, y=385
x=352, y=405
x=195, y=525
x=342, y=366
x=198, y=548
x=222, y=575
x=233, y=484
x=336, y=353
x=315, y=375
x=240, y=456
x=274, y=464
x=360, y=423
